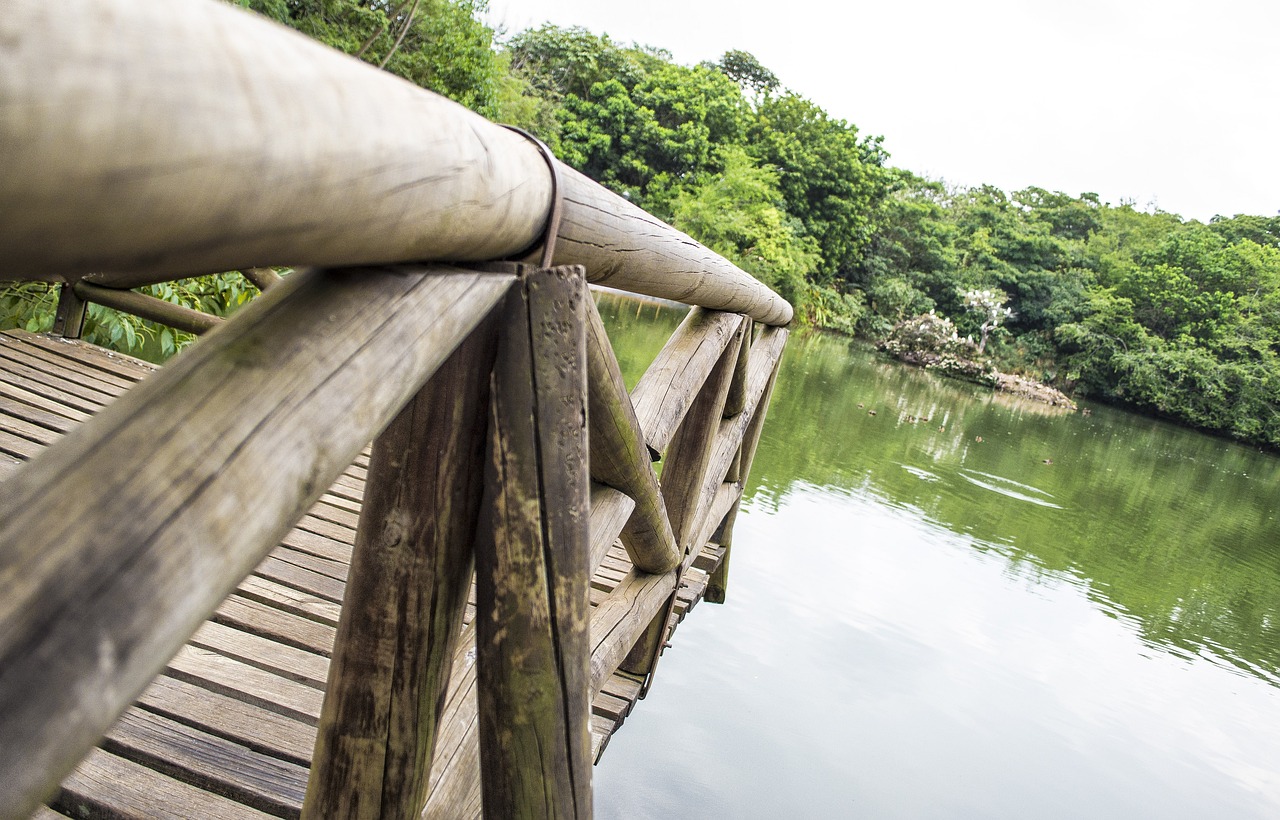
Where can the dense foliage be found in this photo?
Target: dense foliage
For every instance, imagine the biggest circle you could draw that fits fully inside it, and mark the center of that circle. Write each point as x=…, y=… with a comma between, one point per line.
x=1140, y=308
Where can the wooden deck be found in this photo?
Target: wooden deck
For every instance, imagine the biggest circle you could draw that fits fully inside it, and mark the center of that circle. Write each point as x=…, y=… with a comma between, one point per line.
x=228, y=729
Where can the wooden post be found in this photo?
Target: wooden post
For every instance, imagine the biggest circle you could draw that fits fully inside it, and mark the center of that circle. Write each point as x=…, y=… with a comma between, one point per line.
x=68, y=321
x=532, y=570
x=718, y=583
x=406, y=593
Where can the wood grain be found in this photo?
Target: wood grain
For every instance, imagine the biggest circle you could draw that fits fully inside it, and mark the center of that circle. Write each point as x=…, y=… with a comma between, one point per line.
x=532, y=559
x=93, y=605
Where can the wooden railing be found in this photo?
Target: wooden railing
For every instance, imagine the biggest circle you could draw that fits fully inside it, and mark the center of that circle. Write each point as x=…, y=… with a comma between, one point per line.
x=147, y=139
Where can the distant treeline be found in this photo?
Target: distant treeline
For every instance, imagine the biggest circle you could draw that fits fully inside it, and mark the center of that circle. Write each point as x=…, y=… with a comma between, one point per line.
x=1144, y=309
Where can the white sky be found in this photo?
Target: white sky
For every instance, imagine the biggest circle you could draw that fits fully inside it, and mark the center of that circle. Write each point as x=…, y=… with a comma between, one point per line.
x=1166, y=102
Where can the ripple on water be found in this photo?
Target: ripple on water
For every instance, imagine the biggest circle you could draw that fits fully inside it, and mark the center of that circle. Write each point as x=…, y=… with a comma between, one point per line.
x=1005, y=487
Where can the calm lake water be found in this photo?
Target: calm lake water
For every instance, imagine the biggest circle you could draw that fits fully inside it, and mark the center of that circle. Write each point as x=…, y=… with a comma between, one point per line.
x=1000, y=612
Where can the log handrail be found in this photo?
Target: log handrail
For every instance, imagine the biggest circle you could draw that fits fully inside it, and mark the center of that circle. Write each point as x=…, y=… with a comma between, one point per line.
x=174, y=163
x=118, y=180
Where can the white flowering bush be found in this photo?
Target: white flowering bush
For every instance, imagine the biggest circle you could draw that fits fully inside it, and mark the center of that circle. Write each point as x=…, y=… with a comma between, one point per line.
x=931, y=341
x=991, y=309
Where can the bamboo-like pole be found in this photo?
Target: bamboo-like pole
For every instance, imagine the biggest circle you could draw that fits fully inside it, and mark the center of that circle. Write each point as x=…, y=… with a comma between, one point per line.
x=143, y=141
x=292, y=388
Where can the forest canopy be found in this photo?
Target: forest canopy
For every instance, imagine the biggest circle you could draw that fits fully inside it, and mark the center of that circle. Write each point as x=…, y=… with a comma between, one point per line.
x=1132, y=306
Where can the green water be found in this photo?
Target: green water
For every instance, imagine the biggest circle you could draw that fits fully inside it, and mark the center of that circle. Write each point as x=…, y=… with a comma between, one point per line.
x=1000, y=611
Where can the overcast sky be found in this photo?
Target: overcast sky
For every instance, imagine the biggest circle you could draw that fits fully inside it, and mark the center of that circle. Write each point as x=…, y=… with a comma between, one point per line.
x=1163, y=102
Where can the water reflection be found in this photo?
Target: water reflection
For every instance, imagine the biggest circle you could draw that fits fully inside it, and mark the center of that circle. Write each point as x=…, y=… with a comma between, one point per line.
x=944, y=603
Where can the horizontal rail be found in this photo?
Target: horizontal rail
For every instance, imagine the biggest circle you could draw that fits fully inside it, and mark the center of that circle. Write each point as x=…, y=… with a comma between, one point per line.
x=200, y=176
x=292, y=389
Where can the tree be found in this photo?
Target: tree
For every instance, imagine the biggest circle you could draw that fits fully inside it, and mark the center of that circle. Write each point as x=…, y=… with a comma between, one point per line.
x=830, y=180
x=991, y=309
x=744, y=69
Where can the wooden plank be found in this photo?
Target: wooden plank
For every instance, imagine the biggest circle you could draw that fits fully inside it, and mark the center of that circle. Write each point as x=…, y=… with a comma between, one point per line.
x=610, y=510
x=50, y=421
x=20, y=394
x=243, y=682
x=21, y=362
x=119, y=364
x=289, y=600
x=277, y=625
x=410, y=577
x=288, y=662
x=106, y=785
x=532, y=559
x=87, y=366
x=17, y=446
x=303, y=580
x=336, y=570
x=91, y=381
x=209, y=762
x=217, y=714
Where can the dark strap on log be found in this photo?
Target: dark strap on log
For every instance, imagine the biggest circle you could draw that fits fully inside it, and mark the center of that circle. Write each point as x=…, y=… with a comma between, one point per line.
x=552, y=228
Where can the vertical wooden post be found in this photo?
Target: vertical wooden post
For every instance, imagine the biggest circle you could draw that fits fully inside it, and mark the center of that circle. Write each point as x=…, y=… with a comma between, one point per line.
x=533, y=649
x=68, y=320
x=406, y=593
x=718, y=583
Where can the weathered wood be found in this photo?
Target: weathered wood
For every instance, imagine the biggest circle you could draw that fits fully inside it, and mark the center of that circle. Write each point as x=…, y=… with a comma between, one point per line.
x=623, y=247
x=619, y=457
x=406, y=592
x=68, y=318
x=149, y=307
x=665, y=391
x=610, y=511
x=685, y=466
x=261, y=278
x=532, y=559
x=106, y=785
x=737, y=398
x=627, y=613
x=244, y=723
x=386, y=171
x=292, y=388
x=209, y=762
x=292, y=663
x=232, y=678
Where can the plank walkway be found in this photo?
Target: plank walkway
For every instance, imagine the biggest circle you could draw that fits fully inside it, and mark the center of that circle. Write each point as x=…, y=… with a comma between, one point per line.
x=227, y=730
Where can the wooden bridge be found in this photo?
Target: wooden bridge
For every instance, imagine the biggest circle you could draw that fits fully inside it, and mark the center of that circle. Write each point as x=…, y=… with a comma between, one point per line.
x=218, y=598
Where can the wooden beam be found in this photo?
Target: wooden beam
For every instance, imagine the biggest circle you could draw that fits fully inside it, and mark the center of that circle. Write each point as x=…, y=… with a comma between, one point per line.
x=532, y=558
x=114, y=168
x=149, y=307
x=619, y=457
x=93, y=605
x=665, y=391
x=406, y=592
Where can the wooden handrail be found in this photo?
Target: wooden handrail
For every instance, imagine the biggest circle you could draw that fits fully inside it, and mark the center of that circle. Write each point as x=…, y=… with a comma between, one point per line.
x=142, y=143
